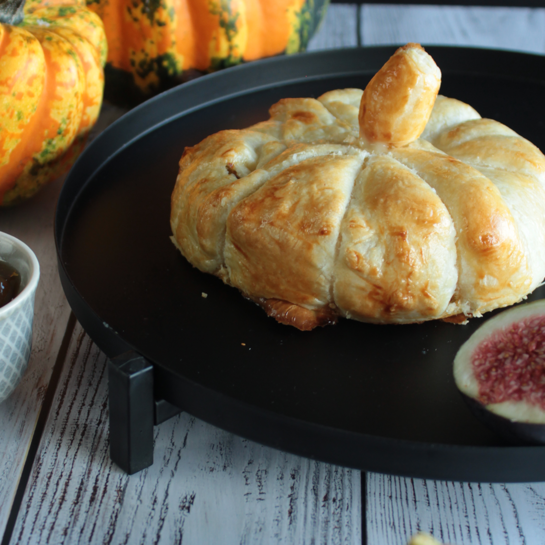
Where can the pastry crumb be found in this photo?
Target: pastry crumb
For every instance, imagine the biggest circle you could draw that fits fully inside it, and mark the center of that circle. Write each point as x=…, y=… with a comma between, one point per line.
x=204, y=295
x=243, y=344
x=422, y=538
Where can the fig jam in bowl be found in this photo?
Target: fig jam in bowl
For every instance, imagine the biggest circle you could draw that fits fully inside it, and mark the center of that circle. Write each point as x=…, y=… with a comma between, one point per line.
x=19, y=275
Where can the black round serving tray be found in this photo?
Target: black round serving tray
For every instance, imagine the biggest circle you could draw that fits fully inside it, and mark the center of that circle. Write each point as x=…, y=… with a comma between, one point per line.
x=378, y=398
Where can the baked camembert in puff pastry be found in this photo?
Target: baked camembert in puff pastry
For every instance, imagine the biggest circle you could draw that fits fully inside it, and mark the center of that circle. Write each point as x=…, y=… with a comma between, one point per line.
x=389, y=205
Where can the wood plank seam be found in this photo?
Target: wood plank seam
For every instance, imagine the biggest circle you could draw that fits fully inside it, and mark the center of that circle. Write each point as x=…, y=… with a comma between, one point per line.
x=39, y=430
x=363, y=508
x=359, y=26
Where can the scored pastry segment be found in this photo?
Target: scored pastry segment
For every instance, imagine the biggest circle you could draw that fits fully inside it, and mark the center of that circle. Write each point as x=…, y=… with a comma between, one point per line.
x=304, y=120
x=492, y=266
x=447, y=114
x=432, y=213
x=398, y=255
x=281, y=240
x=206, y=190
x=500, y=151
x=524, y=196
x=344, y=104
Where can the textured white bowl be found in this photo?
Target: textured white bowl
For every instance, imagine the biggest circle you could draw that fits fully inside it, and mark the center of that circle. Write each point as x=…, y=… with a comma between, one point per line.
x=17, y=316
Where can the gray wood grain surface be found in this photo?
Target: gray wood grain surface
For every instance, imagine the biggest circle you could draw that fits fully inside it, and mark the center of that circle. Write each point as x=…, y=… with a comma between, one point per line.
x=205, y=486
x=520, y=29
x=455, y=513
x=339, y=28
x=209, y=486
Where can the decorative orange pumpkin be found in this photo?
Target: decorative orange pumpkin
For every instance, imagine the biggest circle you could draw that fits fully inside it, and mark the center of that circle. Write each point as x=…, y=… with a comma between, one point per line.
x=155, y=44
x=51, y=88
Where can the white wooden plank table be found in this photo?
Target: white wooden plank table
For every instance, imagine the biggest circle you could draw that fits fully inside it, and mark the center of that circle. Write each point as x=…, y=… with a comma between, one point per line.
x=58, y=485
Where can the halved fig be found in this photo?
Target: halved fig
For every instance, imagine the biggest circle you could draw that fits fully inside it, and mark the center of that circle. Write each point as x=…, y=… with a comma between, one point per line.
x=500, y=371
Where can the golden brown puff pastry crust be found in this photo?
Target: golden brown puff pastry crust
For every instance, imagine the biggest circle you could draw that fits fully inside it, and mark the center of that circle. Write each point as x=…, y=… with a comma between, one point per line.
x=389, y=205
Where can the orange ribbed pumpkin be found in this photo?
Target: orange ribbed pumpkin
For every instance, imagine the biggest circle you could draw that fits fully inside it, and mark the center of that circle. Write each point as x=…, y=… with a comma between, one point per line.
x=51, y=88
x=153, y=43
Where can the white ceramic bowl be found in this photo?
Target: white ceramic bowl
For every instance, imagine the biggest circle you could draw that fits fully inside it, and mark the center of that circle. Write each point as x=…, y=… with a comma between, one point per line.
x=17, y=316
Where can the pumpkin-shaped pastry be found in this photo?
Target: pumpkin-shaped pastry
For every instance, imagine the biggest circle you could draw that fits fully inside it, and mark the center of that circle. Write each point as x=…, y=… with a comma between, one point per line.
x=392, y=205
x=51, y=86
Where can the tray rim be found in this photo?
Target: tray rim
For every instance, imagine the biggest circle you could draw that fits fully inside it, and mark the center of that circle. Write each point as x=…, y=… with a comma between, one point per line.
x=140, y=121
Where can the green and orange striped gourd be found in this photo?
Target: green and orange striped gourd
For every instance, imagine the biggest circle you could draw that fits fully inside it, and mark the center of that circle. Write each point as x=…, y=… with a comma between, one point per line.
x=155, y=44
x=51, y=88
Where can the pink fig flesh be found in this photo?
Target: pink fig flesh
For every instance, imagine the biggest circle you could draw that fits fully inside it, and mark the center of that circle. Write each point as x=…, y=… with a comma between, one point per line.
x=502, y=365
x=510, y=365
